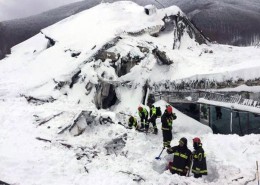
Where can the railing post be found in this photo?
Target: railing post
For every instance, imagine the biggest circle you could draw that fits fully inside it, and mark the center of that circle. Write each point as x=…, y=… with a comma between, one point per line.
x=209, y=115
x=248, y=124
x=231, y=120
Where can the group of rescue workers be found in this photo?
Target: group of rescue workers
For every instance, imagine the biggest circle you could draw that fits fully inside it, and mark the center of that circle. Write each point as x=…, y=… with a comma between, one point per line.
x=183, y=158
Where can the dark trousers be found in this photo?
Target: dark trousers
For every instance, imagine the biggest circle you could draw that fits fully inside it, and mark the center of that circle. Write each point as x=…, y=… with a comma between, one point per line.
x=167, y=138
x=143, y=121
x=153, y=121
x=197, y=175
x=176, y=172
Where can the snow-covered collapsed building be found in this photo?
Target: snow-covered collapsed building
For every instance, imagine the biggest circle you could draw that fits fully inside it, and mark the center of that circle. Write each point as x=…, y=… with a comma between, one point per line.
x=141, y=49
x=84, y=74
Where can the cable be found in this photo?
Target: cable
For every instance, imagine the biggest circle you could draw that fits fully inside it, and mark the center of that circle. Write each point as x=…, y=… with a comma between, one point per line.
x=159, y=3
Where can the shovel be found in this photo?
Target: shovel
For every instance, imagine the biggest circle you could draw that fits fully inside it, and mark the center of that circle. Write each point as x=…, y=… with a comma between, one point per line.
x=159, y=157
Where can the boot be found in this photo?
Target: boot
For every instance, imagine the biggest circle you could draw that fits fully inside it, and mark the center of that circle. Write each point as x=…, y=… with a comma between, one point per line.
x=155, y=131
x=142, y=126
x=146, y=127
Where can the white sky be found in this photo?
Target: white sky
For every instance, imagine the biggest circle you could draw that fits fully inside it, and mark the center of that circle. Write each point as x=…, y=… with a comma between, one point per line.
x=12, y=9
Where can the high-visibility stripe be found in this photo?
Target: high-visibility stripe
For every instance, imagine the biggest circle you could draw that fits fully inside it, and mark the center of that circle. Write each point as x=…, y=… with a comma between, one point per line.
x=197, y=156
x=167, y=143
x=181, y=155
x=135, y=122
x=144, y=111
x=177, y=169
x=199, y=171
x=165, y=128
x=169, y=121
x=184, y=156
x=154, y=111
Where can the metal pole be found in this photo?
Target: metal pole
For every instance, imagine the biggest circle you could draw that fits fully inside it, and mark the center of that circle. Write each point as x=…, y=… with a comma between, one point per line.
x=240, y=124
x=200, y=112
x=209, y=116
x=257, y=172
x=231, y=116
x=147, y=95
x=248, y=124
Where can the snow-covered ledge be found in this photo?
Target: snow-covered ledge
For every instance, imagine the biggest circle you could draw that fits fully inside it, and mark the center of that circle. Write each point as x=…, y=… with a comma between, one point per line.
x=234, y=106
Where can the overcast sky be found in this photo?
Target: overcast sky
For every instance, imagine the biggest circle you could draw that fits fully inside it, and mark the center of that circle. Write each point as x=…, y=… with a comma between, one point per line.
x=11, y=9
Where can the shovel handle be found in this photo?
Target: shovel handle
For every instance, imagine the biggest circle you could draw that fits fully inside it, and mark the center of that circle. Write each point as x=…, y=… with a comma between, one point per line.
x=160, y=154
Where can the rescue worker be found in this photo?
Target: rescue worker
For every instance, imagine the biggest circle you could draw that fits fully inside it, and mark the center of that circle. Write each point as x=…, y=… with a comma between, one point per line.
x=166, y=120
x=143, y=114
x=153, y=117
x=199, y=167
x=132, y=121
x=181, y=158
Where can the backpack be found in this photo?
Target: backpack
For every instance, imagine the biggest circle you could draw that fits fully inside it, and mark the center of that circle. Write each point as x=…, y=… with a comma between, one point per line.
x=158, y=111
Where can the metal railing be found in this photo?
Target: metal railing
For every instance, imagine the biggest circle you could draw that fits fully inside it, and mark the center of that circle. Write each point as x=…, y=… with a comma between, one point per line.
x=194, y=96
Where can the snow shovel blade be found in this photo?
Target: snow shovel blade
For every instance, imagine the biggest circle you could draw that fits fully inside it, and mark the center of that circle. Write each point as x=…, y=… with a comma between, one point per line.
x=159, y=157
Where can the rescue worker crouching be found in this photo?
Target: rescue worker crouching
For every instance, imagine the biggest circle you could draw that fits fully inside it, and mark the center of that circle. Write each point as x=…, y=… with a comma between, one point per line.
x=132, y=122
x=199, y=167
x=181, y=158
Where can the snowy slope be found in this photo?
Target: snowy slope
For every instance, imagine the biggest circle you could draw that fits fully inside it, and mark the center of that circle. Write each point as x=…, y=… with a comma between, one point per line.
x=109, y=153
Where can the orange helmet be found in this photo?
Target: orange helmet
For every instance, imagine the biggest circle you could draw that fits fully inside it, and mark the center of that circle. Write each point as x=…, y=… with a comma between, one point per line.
x=196, y=140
